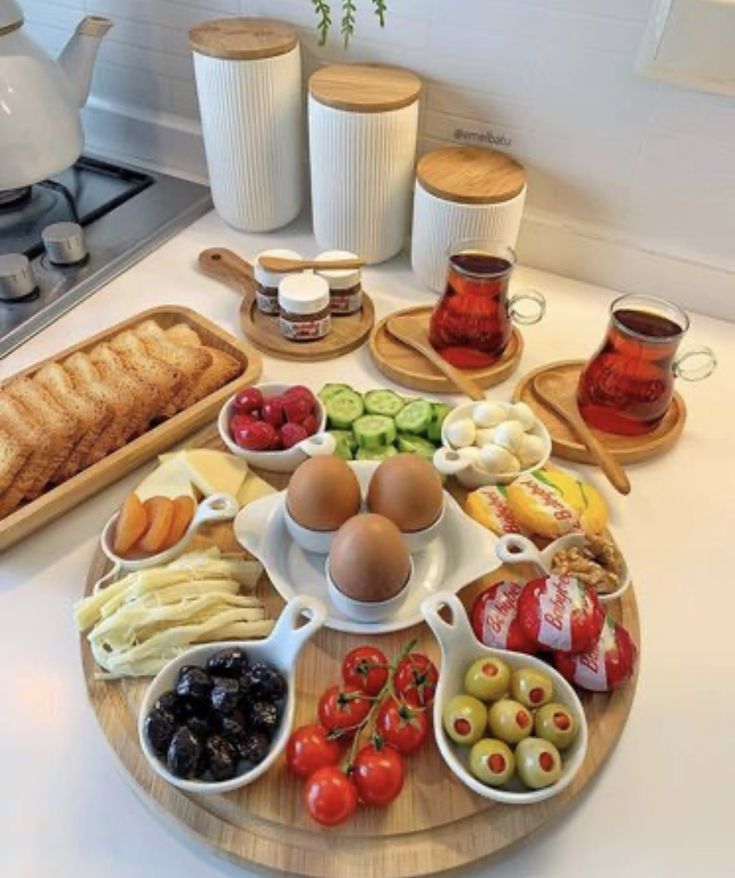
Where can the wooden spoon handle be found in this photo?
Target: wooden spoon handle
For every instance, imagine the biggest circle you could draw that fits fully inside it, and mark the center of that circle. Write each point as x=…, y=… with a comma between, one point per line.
x=281, y=265
x=615, y=473
x=231, y=269
x=463, y=382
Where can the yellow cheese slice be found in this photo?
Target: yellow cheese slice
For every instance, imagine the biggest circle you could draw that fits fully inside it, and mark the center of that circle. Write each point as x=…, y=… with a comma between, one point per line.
x=253, y=488
x=171, y=479
x=215, y=472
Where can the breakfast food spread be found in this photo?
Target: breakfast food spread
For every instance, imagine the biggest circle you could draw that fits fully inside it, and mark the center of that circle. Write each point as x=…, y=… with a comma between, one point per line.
x=598, y=563
x=494, y=618
x=407, y=490
x=558, y=613
x=605, y=665
x=273, y=423
x=489, y=506
x=217, y=721
x=323, y=493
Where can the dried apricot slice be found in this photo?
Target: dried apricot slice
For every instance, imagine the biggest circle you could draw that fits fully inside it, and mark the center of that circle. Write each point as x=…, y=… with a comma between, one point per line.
x=160, y=512
x=132, y=523
x=184, y=508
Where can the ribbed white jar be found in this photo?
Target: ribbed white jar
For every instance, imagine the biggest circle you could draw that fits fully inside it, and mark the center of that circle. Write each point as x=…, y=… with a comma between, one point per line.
x=362, y=169
x=252, y=122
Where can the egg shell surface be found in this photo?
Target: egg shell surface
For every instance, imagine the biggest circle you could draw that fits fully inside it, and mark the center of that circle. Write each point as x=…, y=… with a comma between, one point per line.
x=323, y=493
x=406, y=489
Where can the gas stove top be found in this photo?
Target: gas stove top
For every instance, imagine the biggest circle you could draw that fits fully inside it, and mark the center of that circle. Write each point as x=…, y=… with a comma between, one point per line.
x=61, y=240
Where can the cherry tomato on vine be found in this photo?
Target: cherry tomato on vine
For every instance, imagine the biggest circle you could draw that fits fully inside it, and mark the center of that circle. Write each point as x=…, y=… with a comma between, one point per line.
x=342, y=709
x=367, y=668
x=309, y=748
x=403, y=727
x=330, y=796
x=415, y=680
x=378, y=774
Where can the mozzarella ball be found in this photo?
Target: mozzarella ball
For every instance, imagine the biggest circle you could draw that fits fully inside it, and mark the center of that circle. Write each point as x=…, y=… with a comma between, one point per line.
x=497, y=460
x=460, y=433
x=530, y=450
x=484, y=436
x=508, y=434
x=523, y=413
x=470, y=454
x=489, y=414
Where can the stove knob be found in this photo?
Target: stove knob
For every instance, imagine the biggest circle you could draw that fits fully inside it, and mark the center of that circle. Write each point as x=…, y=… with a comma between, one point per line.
x=16, y=277
x=64, y=243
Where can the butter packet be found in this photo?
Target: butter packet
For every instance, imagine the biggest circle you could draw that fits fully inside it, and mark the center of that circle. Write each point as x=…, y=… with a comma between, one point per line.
x=489, y=507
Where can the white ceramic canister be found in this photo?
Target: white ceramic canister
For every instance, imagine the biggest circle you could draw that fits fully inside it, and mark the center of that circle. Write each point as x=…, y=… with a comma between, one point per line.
x=248, y=76
x=345, y=284
x=363, y=123
x=266, y=282
x=463, y=192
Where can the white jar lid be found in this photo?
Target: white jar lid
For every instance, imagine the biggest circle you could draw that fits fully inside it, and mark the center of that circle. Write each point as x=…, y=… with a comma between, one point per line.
x=303, y=293
x=272, y=278
x=339, y=278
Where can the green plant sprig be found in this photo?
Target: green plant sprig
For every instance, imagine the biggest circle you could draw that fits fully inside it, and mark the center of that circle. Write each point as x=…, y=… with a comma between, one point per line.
x=347, y=24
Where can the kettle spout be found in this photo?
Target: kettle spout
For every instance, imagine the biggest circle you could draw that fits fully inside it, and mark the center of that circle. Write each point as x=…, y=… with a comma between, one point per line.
x=80, y=53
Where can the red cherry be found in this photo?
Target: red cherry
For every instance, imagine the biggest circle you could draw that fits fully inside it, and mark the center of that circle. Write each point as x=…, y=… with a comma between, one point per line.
x=310, y=424
x=301, y=391
x=257, y=436
x=561, y=721
x=496, y=763
x=272, y=411
x=546, y=761
x=462, y=726
x=489, y=669
x=523, y=719
x=291, y=434
x=296, y=408
x=536, y=695
x=239, y=420
x=249, y=399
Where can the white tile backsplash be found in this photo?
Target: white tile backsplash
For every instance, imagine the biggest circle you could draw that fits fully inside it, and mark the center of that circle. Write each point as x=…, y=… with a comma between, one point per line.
x=551, y=81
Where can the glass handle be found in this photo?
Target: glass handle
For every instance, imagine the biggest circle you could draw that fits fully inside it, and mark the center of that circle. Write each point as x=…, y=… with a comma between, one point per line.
x=531, y=313
x=695, y=364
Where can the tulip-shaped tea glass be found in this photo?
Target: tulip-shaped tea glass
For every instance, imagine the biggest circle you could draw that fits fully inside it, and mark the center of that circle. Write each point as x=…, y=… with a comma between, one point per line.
x=626, y=387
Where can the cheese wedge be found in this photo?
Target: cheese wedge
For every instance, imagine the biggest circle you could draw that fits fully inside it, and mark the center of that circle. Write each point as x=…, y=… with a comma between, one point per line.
x=171, y=479
x=489, y=506
x=253, y=488
x=215, y=472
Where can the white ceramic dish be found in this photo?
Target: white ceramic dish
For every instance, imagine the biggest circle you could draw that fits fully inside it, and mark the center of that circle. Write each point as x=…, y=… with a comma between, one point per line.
x=462, y=552
x=450, y=462
x=459, y=648
x=278, y=461
x=420, y=540
x=280, y=649
x=517, y=549
x=366, y=611
x=216, y=507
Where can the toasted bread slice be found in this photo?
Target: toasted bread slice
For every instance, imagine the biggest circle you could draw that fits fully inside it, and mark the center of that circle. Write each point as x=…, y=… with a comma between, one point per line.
x=182, y=333
x=90, y=384
x=30, y=481
x=127, y=383
x=190, y=362
x=223, y=369
x=92, y=416
x=60, y=426
x=13, y=455
x=137, y=358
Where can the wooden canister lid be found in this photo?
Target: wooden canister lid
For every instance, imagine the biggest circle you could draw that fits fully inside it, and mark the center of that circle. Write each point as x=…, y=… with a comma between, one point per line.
x=471, y=175
x=242, y=39
x=364, y=88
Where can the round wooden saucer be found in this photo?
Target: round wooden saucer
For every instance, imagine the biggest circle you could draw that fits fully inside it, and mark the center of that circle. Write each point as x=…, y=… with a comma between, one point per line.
x=407, y=367
x=626, y=449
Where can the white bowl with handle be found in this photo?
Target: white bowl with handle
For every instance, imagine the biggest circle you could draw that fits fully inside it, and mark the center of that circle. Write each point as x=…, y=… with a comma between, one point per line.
x=280, y=650
x=288, y=459
x=459, y=649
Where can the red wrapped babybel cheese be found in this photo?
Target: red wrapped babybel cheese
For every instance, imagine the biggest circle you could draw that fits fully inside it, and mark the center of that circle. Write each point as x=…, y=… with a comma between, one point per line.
x=494, y=617
x=559, y=613
x=606, y=665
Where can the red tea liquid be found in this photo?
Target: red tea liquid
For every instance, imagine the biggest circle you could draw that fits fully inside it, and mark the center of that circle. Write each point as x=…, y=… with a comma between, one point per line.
x=470, y=326
x=626, y=388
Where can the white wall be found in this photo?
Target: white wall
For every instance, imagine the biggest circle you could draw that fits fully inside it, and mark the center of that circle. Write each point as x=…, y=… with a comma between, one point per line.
x=632, y=182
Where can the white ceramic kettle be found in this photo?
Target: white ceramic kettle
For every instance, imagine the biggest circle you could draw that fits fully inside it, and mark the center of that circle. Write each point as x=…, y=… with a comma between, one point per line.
x=40, y=129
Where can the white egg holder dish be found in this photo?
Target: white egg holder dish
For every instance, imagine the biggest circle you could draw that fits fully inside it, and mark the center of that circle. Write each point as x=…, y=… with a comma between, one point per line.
x=459, y=649
x=462, y=552
x=459, y=456
x=280, y=650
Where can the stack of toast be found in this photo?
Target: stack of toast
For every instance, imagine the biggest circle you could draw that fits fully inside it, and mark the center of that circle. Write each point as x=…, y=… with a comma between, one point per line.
x=72, y=413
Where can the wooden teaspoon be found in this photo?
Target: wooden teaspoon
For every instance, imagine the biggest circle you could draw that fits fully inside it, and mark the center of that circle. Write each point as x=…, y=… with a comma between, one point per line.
x=554, y=391
x=278, y=264
x=412, y=333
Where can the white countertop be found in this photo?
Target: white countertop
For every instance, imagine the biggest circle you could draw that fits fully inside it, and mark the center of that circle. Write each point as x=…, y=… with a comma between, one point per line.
x=663, y=804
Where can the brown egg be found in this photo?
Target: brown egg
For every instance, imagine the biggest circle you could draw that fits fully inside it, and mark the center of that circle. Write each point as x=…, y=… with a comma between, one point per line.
x=407, y=489
x=323, y=493
x=369, y=560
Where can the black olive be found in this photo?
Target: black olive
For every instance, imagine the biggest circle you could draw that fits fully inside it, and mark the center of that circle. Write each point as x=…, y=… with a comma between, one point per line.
x=263, y=716
x=199, y=725
x=224, y=695
x=254, y=747
x=171, y=703
x=265, y=682
x=221, y=758
x=160, y=726
x=230, y=662
x=183, y=753
x=193, y=683
x=235, y=729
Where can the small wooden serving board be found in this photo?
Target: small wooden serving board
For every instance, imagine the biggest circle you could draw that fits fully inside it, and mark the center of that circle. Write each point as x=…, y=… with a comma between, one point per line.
x=436, y=824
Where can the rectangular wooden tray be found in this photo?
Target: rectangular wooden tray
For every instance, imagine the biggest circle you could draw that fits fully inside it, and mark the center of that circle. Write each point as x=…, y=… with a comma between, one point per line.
x=55, y=502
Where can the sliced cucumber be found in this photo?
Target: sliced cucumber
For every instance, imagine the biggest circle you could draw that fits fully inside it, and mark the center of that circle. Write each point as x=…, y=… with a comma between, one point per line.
x=346, y=443
x=375, y=453
x=412, y=444
x=383, y=402
x=415, y=417
x=344, y=407
x=439, y=411
x=374, y=431
x=330, y=390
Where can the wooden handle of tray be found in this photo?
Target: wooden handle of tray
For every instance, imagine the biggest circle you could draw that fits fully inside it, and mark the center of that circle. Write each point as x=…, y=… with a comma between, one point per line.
x=228, y=267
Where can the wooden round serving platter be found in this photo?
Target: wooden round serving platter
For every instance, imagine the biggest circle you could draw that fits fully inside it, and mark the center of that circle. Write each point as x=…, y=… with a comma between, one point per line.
x=407, y=367
x=625, y=449
x=436, y=824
